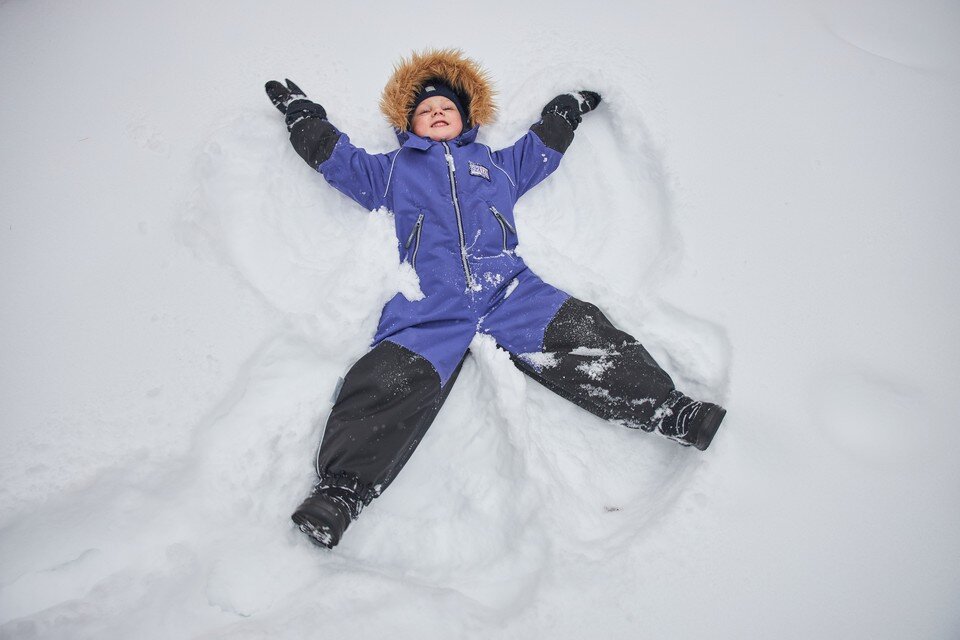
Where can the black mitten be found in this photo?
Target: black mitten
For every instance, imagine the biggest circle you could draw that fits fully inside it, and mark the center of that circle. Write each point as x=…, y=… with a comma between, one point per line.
x=281, y=96
x=572, y=106
x=292, y=101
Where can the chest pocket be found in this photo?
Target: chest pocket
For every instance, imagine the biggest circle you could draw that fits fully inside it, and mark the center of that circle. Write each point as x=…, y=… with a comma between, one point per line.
x=505, y=227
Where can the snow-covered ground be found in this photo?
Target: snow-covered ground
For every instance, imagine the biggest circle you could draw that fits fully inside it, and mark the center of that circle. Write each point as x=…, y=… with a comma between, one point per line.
x=768, y=198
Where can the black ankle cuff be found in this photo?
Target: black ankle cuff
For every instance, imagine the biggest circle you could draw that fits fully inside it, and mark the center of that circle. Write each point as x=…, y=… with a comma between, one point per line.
x=349, y=488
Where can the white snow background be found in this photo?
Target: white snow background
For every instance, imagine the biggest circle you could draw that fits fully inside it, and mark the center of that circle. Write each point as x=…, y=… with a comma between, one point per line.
x=768, y=198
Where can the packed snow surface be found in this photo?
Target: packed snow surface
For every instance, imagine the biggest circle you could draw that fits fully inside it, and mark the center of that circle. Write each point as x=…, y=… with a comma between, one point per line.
x=767, y=198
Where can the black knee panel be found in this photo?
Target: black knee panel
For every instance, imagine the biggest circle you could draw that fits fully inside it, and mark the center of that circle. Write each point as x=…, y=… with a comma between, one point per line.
x=390, y=382
x=581, y=324
x=388, y=400
x=599, y=367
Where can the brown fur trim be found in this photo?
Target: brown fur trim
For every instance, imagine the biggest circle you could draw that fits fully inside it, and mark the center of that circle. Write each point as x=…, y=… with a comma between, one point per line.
x=450, y=65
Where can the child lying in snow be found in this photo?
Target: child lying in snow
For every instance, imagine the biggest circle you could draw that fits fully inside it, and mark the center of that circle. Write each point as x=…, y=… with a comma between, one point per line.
x=452, y=199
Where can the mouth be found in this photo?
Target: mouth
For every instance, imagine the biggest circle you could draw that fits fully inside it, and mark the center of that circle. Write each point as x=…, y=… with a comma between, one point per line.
x=440, y=123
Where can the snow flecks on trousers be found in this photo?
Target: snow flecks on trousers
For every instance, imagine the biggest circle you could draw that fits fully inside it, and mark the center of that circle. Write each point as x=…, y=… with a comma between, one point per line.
x=600, y=392
x=590, y=351
x=599, y=361
x=595, y=367
x=538, y=359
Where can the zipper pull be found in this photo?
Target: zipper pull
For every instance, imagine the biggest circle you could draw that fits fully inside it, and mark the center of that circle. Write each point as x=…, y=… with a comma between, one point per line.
x=450, y=162
x=416, y=226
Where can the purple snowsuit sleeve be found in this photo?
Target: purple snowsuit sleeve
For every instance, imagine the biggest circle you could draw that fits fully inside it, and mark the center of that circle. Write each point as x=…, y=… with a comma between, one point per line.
x=527, y=162
x=362, y=176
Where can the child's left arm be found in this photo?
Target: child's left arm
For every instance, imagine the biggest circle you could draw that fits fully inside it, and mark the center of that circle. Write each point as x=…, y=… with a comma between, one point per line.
x=537, y=154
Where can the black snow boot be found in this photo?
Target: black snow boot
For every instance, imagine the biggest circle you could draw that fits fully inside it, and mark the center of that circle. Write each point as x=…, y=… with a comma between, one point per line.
x=689, y=421
x=326, y=514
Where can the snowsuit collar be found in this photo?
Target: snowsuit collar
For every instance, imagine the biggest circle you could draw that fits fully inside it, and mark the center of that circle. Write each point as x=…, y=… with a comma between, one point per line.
x=410, y=139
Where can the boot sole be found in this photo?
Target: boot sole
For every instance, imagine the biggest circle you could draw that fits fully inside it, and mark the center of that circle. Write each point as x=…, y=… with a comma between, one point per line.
x=318, y=520
x=319, y=534
x=711, y=423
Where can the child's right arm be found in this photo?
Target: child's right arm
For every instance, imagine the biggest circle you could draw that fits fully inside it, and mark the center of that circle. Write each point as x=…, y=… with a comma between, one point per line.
x=360, y=175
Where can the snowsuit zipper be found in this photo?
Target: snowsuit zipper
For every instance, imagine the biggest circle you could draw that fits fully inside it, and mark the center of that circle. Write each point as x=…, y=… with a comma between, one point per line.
x=504, y=225
x=456, y=206
x=417, y=227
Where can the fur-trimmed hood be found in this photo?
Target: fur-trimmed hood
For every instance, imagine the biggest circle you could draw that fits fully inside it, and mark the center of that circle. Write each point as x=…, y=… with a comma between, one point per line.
x=464, y=76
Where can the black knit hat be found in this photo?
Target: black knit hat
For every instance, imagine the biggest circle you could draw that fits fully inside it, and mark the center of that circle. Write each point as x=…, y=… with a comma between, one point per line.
x=433, y=88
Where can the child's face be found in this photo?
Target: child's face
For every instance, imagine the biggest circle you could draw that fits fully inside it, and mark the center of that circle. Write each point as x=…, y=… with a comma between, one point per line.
x=437, y=118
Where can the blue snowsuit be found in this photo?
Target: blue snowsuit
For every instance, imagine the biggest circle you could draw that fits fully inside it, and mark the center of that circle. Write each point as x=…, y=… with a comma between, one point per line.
x=453, y=208
x=452, y=203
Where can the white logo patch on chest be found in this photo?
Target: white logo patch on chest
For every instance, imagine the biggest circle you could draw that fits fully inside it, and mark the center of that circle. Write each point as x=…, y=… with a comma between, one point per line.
x=479, y=170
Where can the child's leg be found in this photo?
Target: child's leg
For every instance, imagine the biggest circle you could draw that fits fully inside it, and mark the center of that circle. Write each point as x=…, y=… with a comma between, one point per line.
x=588, y=361
x=388, y=400
x=600, y=368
